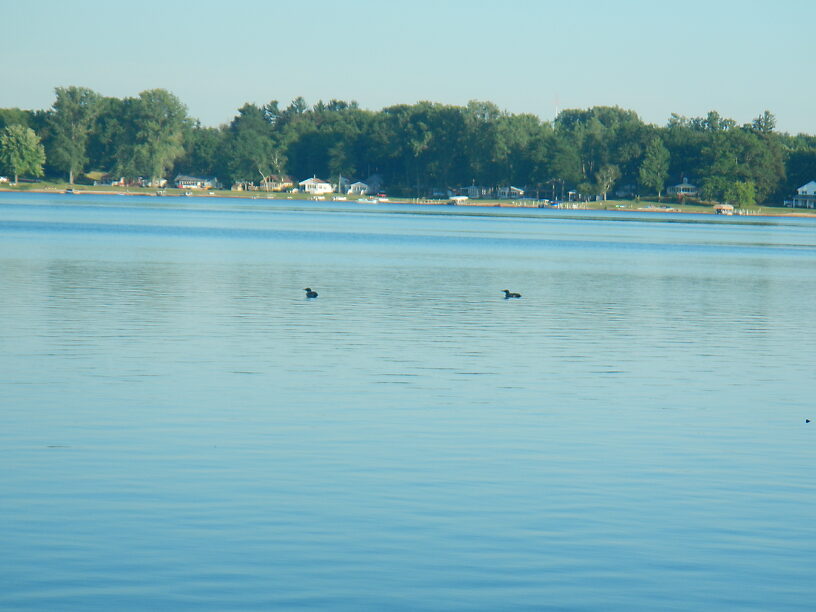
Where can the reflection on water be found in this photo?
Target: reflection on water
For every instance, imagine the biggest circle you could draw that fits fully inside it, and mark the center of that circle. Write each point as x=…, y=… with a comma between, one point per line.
x=183, y=429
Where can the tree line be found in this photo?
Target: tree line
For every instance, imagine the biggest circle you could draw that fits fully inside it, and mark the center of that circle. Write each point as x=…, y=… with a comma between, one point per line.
x=418, y=149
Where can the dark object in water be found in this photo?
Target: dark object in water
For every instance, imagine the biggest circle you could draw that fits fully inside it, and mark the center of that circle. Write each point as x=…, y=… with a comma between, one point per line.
x=309, y=293
x=508, y=294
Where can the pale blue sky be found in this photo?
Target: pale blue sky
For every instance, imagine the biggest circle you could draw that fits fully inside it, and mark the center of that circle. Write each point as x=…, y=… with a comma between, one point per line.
x=738, y=57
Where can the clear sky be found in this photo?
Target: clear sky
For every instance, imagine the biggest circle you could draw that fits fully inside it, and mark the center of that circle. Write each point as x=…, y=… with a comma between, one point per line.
x=739, y=57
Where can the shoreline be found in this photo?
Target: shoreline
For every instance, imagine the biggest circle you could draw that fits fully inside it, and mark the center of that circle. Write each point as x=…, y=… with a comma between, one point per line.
x=598, y=206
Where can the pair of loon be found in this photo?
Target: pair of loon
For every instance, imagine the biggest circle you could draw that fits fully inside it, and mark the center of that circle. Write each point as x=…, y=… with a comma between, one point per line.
x=507, y=293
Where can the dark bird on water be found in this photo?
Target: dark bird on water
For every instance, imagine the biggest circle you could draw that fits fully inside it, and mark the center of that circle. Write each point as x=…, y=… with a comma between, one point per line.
x=807, y=420
x=508, y=294
x=310, y=293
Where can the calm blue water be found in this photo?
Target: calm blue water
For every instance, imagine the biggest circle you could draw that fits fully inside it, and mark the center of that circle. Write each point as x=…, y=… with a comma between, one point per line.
x=181, y=429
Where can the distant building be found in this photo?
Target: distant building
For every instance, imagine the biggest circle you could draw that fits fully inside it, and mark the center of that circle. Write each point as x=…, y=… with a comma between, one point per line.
x=358, y=188
x=149, y=182
x=183, y=181
x=504, y=193
x=275, y=182
x=316, y=186
x=474, y=191
x=438, y=192
x=684, y=189
x=805, y=196
x=110, y=179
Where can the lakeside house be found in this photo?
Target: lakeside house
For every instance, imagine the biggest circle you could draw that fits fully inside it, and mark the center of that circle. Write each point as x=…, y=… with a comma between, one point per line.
x=509, y=193
x=358, y=188
x=474, y=192
x=684, y=190
x=316, y=186
x=110, y=180
x=276, y=182
x=805, y=196
x=182, y=181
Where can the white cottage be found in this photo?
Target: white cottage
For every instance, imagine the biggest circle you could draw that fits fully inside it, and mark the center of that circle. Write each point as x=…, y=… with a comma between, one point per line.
x=316, y=186
x=805, y=196
x=358, y=188
x=183, y=181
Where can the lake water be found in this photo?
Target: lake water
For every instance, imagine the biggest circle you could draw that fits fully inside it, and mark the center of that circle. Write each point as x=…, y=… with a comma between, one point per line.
x=180, y=428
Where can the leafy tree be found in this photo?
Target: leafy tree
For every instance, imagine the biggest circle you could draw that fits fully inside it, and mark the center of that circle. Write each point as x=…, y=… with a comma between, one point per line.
x=251, y=150
x=603, y=136
x=565, y=161
x=12, y=116
x=741, y=154
x=714, y=188
x=713, y=122
x=655, y=166
x=765, y=123
x=71, y=121
x=21, y=151
x=204, y=149
x=112, y=135
x=298, y=106
x=271, y=112
x=605, y=179
x=523, y=143
x=157, y=122
x=742, y=194
x=685, y=144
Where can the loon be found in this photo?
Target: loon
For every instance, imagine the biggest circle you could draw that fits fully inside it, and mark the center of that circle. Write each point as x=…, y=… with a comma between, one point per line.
x=310, y=293
x=508, y=294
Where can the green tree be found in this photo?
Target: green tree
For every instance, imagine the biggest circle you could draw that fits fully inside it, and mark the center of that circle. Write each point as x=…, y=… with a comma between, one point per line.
x=250, y=146
x=765, y=123
x=714, y=188
x=742, y=194
x=12, y=116
x=204, y=152
x=565, y=161
x=605, y=178
x=156, y=124
x=111, y=136
x=741, y=154
x=655, y=166
x=21, y=151
x=71, y=121
x=603, y=136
